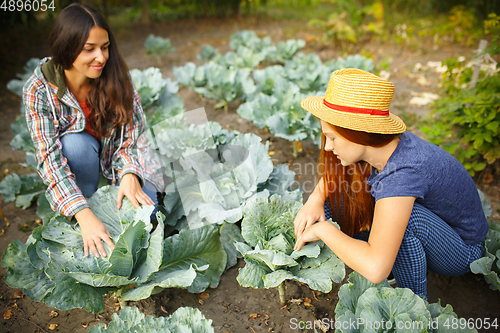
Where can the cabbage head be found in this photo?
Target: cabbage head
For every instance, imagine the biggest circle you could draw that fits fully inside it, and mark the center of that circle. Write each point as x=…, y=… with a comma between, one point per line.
x=267, y=228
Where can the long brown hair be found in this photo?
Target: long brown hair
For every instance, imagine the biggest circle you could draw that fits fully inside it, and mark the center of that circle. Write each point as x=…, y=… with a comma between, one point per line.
x=111, y=96
x=348, y=192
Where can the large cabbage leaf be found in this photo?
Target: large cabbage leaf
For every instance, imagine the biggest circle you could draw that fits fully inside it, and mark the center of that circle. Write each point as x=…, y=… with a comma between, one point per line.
x=214, y=172
x=367, y=307
x=16, y=85
x=267, y=228
x=51, y=266
x=184, y=319
x=489, y=264
x=266, y=78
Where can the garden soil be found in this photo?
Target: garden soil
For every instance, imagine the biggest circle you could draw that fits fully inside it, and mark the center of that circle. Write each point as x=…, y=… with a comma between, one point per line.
x=231, y=307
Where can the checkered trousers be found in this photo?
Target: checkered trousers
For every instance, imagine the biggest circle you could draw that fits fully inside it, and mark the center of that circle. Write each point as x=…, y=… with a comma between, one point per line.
x=429, y=243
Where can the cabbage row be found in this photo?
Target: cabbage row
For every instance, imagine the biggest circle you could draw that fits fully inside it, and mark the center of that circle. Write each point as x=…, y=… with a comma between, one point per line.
x=272, y=94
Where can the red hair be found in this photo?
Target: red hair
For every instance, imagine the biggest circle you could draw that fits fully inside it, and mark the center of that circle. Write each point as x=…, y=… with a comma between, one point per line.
x=346, y=186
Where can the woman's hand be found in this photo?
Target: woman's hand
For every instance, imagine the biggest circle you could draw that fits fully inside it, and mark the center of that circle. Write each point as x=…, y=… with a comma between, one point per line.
x=131, y=188
x=310, y=234
x=311, y=212
x=93, y=233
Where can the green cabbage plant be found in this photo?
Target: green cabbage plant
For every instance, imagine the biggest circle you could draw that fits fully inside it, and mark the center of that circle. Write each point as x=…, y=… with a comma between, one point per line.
x=489, y=264
x=267, y=228
x=286, y=50
x=208, y=52
x=216, y=81
x=190, y=75
x=157, y=46
x=16, y=85
x=225, y=85
x=130, y=320
x=24, y=190
x=367, y=307
x=158, y=96
x=214, y=172
x=282, y=114
x=248, y=39
x=52, y=268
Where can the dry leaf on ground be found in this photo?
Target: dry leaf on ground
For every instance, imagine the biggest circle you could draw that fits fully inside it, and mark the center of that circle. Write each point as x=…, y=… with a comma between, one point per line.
x=18, y=294
x=7, y=314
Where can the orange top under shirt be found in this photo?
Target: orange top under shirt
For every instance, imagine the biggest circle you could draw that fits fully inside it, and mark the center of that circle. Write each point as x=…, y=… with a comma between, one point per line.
x=88, y=128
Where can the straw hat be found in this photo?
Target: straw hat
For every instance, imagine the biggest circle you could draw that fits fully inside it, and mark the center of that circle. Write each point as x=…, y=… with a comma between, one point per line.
x=357, y=100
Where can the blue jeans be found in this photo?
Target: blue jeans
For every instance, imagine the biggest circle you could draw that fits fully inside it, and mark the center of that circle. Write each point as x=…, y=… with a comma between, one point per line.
x=429, y=243
x=82, y=151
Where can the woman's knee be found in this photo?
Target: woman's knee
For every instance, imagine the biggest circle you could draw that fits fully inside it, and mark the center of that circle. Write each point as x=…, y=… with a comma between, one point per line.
x=81, y=150
x=80, y=146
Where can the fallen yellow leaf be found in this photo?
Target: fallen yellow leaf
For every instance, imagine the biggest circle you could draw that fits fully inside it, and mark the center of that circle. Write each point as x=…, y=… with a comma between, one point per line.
x=7, y=314
x=17, y=294
x=52, y=327
x=204, y=295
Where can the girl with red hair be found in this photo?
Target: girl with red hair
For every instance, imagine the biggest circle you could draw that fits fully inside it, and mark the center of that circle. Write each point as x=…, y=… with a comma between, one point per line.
x=404, y=205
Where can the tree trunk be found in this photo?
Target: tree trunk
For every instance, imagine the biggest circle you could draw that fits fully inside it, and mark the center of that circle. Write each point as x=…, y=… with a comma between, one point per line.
x=145, y=12
x=105, y=9
x=236, y=8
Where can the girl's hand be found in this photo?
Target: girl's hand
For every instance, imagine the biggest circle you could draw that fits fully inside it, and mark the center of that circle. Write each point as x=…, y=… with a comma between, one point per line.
x=131, y=188
x=93, y=233
x=312, y=211
x=310, y=234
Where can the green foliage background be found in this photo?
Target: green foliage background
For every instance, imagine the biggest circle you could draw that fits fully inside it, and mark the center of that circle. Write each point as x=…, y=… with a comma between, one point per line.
x=466, y=120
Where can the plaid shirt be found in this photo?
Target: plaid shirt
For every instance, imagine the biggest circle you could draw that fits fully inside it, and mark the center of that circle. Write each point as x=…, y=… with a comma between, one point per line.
x=46, y=105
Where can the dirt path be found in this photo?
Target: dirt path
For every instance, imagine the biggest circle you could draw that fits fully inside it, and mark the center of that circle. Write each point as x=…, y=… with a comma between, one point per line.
x=231, y=307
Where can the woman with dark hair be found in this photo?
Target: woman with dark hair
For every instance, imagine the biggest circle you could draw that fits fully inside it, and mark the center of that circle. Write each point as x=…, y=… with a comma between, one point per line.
x=403, y=204
x=84, y=115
